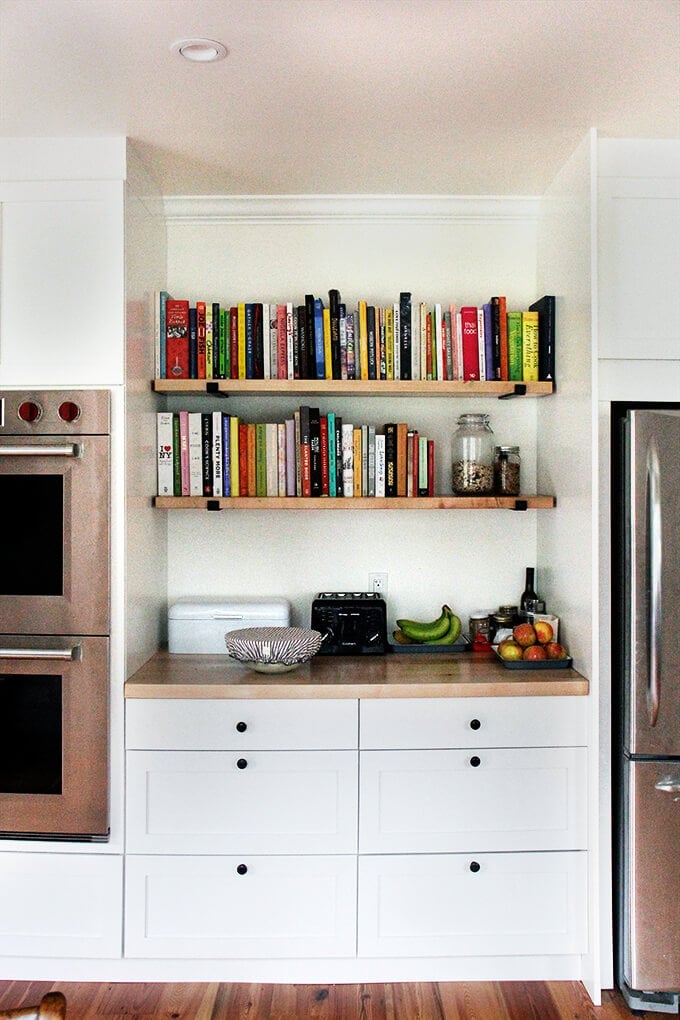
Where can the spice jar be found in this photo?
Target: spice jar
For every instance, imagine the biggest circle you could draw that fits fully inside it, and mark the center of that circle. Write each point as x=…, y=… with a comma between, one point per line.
x=506, y=471
x=473, y=456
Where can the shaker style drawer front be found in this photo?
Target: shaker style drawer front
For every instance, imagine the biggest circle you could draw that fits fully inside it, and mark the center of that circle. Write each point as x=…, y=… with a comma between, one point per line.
x=222, y=802
x=250, y=907
x=486, y=799
x=482, y=905
x=473, y=722
x=216, y=724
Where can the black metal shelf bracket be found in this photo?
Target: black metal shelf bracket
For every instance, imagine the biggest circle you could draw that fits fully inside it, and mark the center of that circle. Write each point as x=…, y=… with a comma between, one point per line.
x=520, y=504
x=519, y=390
x=213, y=504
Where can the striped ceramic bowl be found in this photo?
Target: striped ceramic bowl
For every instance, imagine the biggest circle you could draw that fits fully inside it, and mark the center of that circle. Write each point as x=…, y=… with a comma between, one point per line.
x=283, y=647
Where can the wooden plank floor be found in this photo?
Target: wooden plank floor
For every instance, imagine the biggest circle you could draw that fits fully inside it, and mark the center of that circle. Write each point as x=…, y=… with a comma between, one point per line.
x=500, y=1000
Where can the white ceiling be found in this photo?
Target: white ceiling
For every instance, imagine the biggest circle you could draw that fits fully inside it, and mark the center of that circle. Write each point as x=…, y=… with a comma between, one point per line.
x=344, y=96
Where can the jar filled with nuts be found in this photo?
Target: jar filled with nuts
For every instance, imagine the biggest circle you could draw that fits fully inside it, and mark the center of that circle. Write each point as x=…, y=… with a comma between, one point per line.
x=473, y=456
x=506, y=471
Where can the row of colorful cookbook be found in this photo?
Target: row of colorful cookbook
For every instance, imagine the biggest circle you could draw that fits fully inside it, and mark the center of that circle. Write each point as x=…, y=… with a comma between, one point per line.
x=329, y=340
x=214, y=454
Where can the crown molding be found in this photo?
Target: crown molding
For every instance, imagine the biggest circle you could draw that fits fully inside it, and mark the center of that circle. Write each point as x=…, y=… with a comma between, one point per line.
x=325, y=208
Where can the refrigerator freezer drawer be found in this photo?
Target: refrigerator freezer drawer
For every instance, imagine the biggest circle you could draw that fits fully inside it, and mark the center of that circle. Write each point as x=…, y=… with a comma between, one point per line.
x=651, y=878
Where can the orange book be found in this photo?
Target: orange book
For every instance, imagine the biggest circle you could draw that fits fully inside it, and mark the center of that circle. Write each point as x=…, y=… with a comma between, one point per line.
x=503, y=325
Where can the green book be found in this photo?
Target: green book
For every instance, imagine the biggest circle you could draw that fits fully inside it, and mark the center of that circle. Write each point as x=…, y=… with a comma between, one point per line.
x=515, y=369
x=261, y=459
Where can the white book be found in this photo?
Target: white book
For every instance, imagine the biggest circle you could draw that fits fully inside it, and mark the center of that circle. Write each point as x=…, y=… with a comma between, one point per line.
x=397, y=341
x=417, y=365
x=371, y=460
x=380, y=464
x=165, y=453
x=272, y=455
x=482, y=344
x=420, y=338
x=217, y=460
x=459, y=345
x=195, y=455
x=347, y=459
x=422, y=462
x=289, y=427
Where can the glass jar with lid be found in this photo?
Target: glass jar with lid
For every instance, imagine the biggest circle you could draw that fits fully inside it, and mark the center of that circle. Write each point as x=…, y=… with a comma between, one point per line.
x=506, y=471
x=473, y=456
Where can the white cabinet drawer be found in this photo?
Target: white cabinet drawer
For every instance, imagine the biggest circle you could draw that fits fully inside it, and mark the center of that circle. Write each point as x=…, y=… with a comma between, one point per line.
x=486, y=799
x=459, y=905
x=207, y=802
x=473, y=722
x=206, y=907
x=216, y=725
x=61, y=905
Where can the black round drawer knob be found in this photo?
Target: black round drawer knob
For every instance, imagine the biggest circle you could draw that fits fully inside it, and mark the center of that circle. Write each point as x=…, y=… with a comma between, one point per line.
x=242, y=763
x=475, y=724
x=475, y=866
x=242, y=869
x=475, y=761
x=241, y=727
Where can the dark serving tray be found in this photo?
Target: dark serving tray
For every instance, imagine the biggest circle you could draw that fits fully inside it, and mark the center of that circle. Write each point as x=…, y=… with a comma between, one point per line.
x=461, y=645
x=537, y=664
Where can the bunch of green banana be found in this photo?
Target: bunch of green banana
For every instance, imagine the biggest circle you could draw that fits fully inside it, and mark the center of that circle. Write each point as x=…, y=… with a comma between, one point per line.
x=445, y=630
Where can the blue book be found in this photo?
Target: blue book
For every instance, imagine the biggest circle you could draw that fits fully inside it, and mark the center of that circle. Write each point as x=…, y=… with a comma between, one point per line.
x=319, y=355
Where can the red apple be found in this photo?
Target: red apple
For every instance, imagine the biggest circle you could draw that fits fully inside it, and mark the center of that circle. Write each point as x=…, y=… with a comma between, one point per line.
x=544, y=631
x=534, y=652
x=509, y=650
x=554, y=650
x=524, y=634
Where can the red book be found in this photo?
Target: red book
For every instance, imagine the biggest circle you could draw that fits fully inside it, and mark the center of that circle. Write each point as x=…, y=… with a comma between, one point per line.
x=176, y=339
x=323, y=422
x=233, y=342
x=430, y=467
x=503, y=324
x=468, y=318
x=200, y=336
x=281, y=342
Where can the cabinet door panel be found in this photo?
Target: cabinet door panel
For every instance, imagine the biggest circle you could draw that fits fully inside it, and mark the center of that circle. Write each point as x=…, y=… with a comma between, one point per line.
x=188, y=907
x=473, y=722
x=515, y=799
x=436, y=905
x=65, y=905
x=204, y=802
x=216, y=725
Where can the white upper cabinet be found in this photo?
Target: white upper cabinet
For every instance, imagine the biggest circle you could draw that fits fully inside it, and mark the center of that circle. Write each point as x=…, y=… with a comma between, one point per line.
x=62, y=268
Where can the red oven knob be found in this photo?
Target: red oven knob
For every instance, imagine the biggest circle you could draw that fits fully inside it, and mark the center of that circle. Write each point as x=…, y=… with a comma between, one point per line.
x=29, y=411
x=68, y=411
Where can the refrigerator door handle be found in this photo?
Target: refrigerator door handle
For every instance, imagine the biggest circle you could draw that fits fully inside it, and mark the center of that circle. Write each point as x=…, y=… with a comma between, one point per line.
x=654, y=568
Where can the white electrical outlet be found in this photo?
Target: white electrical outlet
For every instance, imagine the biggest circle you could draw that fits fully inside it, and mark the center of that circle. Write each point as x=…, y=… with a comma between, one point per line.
x=378, y=584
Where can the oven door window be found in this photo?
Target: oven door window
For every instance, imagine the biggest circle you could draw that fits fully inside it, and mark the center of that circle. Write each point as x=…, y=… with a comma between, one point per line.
x=32, y=559
x=31, y=710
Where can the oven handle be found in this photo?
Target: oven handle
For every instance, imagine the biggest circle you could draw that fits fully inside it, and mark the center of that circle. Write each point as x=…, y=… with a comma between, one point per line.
x=73, y=653
x=70, y=450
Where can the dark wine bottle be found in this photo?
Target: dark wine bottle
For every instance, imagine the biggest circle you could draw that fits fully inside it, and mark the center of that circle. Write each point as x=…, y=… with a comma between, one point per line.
x=530, y=602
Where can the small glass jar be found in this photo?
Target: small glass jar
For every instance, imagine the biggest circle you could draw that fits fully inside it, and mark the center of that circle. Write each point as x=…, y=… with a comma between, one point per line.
x=479, y=629
x=506, y=471
x=473, y=456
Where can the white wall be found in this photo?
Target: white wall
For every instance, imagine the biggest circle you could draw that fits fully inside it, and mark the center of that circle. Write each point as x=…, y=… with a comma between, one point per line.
x=279, y=250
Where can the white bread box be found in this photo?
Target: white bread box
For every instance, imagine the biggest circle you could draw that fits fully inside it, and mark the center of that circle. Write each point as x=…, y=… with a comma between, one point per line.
x=199, y=625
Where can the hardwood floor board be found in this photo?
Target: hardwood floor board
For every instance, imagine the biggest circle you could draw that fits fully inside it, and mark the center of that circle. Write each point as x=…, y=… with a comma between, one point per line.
x=460, y=1000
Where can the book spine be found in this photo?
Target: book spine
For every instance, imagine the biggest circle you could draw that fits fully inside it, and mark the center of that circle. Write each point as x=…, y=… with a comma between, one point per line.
x=209, y=346
x=251, y=434
x=193, y=344
x=160, y=299
x=243, y=459
x=273, y=341
x=176, y=457
x=382, y=342
x=272, y=460
x=440, y=341
x=310, y=368
x=504, y=365
x=342, y=332
x=176, y=339
x=423, y=489
x=226, y=455
x=223, y=367
x=430, y=467
x=389, y=342
x=195, y=454
x=164, y=458
x=200, y=339
x=235, y=451
x=299, y=342
x=339, y=485
x=282, y=458
x=233, y=343
x=298, y=460
x=347, y=459
x=380, y=464
x=250, y=340
x=402, y=435
x=184, y=452
x=324, y=456
x=397, y=340
x=319, y=354
x=530, y=346
x=514, y=346
x=470, y=342
x=315, y=451
x=364, y=460
x=330, y=439
x=305, y=452
x=545, y=307
x=291, y=487
x=489, y=354
x=258, y=340
x=217, y=454
x=481, y=341
x=282, y=342
x=350, y=333
x=327, y=351
x=241, y=340
x=405, y=338
x=391, y=459
x=358, y=471
x=290, y=341
x=371, y=342
x=206, y=452
x=334, y=313
x=363, y=340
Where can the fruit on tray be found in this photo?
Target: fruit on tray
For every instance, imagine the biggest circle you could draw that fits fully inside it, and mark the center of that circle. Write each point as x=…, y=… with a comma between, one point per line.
x=554, y=650
x=525, y=634
x=510, y=650
x=444, y=630
x=534, y=653
x=544, y=632
x=532, y=643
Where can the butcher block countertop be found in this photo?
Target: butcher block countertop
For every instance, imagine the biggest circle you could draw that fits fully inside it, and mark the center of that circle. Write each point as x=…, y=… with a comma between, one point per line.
x=455, y=675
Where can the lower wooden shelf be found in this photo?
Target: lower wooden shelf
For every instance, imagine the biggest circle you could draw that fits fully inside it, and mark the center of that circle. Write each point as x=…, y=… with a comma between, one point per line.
x=355, y=503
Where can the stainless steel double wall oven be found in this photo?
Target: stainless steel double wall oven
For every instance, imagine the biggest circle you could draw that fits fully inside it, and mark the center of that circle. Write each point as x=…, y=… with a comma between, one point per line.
x=54, y=614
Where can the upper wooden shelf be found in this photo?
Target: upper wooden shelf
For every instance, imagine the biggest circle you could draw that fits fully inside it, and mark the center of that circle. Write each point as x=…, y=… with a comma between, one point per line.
x=355, y=503
x=355, y=387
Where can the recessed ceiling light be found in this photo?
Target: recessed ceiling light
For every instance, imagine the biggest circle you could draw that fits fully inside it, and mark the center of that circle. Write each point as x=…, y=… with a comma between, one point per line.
x=200, y=51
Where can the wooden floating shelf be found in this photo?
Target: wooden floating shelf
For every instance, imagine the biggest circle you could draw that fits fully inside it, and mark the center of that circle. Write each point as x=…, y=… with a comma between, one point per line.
x=355, y=503
x=354, y=387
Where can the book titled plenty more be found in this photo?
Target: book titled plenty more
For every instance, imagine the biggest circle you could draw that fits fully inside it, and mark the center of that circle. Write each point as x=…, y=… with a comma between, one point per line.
x=214, y=454
x=314, y=339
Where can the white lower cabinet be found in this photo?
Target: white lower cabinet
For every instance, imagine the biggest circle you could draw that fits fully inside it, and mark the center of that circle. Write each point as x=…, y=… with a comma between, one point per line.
x=472, y=905
x=241, y=907
x=61, y=905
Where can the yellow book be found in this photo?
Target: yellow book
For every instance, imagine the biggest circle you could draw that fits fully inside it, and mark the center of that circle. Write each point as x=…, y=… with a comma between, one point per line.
x=242, y=342
x=327, y=354
x=357, y=461
x=234, y=462
x=389, y=341
x=530, y=346
x=363, y=342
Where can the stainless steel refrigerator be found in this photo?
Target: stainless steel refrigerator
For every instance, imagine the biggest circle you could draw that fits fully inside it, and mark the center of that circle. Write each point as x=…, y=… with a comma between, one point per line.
x=647, y=688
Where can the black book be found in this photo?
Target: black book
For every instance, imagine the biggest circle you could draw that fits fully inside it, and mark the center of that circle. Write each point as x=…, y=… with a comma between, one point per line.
x=300, y=348
x=258, y=343
x=315, y=450
x=496, y=336
x=207, y=452
x=339, y=488
x=371, y=343
x=334, y=308
x=193, y=344
x=310, y=366
x=391, y=459
x=545, y=307
x=405, y=334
